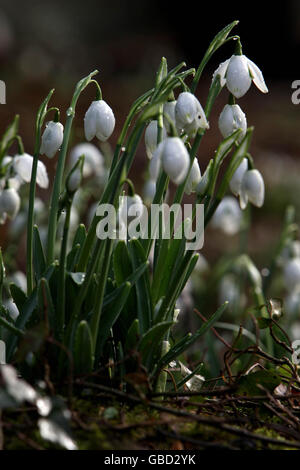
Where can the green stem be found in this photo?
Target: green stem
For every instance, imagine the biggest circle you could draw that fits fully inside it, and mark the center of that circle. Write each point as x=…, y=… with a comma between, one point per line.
x=61, y=294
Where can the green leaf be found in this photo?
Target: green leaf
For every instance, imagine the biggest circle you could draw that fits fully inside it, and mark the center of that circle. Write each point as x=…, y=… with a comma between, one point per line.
x=217, y=42
x=8, y=136
x=133, y=336
x=83, y=349
x=26, y=312
x=190, y=339
x=264, y=323
x=142, y=286
x=151, y=340
x=19, y=297
x=110, y=315
x=39, y=261
x=121, y=262
x=45, y=303
x=247, y=385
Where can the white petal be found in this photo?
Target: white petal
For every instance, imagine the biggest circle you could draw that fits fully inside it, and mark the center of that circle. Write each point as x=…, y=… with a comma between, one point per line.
x=253, y=185
x=221, y=71
x=257, y=76
x=151, y=138
x=23, y=165
x=186, y=108
x=238, y=79
x=105, y=120
x=193, y=178
x=236, y=180
x=90, y=122
x=52, y=138
x=93, y=158
x=42, y=176
x=231, y=119
x=175, y=159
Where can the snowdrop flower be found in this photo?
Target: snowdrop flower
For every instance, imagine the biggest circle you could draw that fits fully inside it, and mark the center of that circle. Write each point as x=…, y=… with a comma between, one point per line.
x=291, y=274
x=228, y=216
x=174, y=157
x=189, y=114
x=9, y=202
x=193, y=178
x=23, y=166
x=169, y=110
x=237, y=73
x=149, y=191
x=75, y=176
x=93, y=158
x=52, y=138
x=231, y=119
x=151, y=138
x=236, y=180
x=252, y=189
x=290, y=251
x=99, y=121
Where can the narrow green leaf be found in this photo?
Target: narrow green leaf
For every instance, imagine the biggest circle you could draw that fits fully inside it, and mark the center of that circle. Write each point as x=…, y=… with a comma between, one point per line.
x=151, y=340
x=109, y=317
x=39, y=261
x=142, y=286
x=132, y=336
x=19, y=297
x=83, y=349
x=190, y=339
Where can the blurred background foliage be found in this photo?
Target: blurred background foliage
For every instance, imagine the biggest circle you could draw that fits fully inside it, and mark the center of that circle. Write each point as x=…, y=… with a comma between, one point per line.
x=53, y=44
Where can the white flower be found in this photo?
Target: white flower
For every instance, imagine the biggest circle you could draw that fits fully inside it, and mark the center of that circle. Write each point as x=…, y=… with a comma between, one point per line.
x=23, y=165
x=52, y=138
x=149, y=191
x=151, y=138
x=193, y=178
x=236, y=181
x=12, y=308
x=291, y=274
x=9, y=202
x=93, y=158
x=202, y=186
x=169, y=110
x=252, y=189
x=228, y=216
x=19, y=278
x=237, y=73
x=189, y=114
x=99, y=121
x=231, y=119
x=195, y=382
x=174, y=157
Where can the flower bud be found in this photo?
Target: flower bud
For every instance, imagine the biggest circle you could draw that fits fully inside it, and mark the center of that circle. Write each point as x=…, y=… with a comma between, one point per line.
x=93, y=158
x=23, y=167
x=236, y=180
x=202, y=186
x=193, y=178
x=52, y=138
x=175, y=159
x=231, y=119
x=252, y=189
x=75, y=176
x=9, y=202
x=99, y=121
x=189, y=114
x=151, y=138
